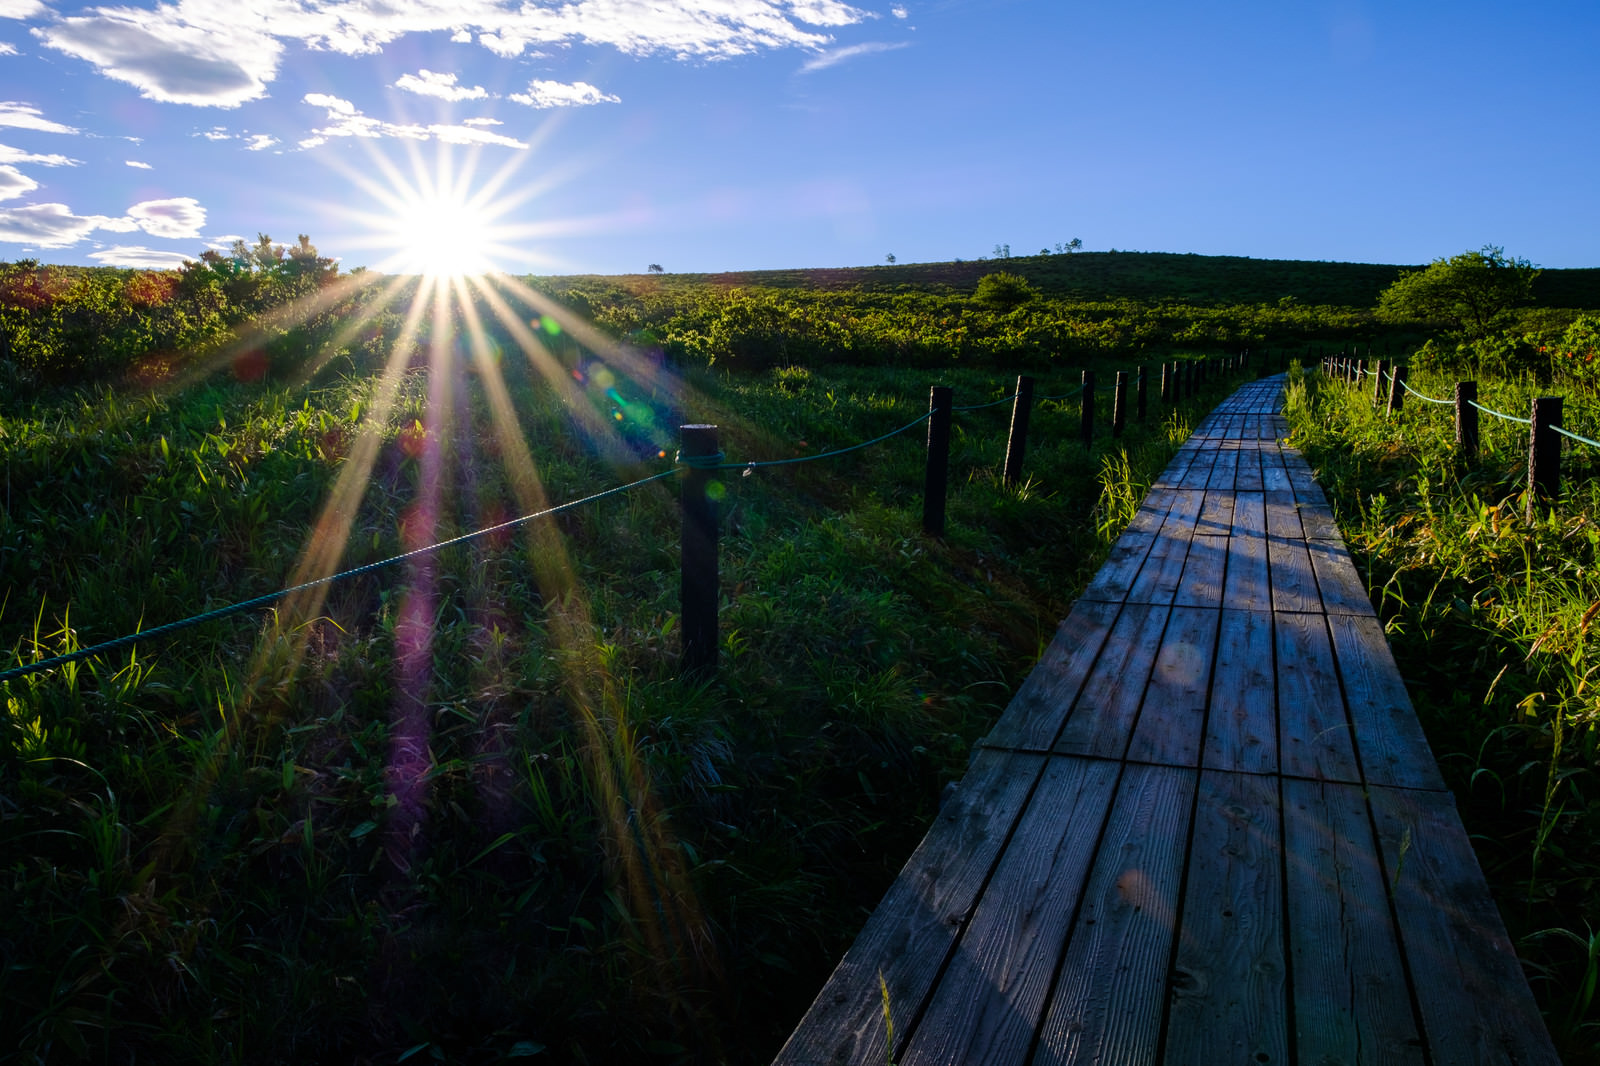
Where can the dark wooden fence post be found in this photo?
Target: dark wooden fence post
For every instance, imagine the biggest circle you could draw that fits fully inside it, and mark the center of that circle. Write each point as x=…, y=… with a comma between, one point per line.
x=698, y=590
x=1544, y=454
x=1467, y=420
x=1086, y=409
x=1017, y=442
x=1139, y=394
x=938, y=471
x=1119, y=404
x=1377, y=385
x=1397, y=390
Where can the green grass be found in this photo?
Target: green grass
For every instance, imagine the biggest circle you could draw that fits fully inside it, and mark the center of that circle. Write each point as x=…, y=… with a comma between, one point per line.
x=1490, y=615
x=463, y=808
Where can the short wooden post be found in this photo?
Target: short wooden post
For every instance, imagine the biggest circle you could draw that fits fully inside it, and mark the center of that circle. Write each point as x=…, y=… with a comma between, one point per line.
x=1359, y=377
x=1377, y=385
x=1086, y=409
x=1119, y=406
x=1017, y=441
x=1397, y=390
x=698, y=589
x=1139, y=393
x=1467, y=420
x=1544, y=454
x=938, y=470
x=1166, y=382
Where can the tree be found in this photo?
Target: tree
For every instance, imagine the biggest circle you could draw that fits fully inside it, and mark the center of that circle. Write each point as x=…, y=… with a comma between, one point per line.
x=889, y=259
x=1004, y=291
x=1002, y=251
x=1472, y=291
x=656, y=268
x=1070, y=246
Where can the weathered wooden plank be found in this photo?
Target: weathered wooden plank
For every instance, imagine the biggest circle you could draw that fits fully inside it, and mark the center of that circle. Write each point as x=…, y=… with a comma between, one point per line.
x=1112, y=989
x=1475, y=1004
x=1225, y=469
x=1184, y=514
x=1248, y=586
x=1216, y=513
x=1199, y=471
x=987, y=1006
x=1240, y=731
x=1274, y=475
x=1313, y=729
x=1305, y=486
x=1249, y=477
x=1390, y=740
x=1317, y=521
x=1203, y=568
x=1163, y=569
x=909, y=935
x=1283, y=518
x=1104, y=715
x=1122, y=565
x=1229, y=998
x=1152, y=512
x=1171, y=728
x=1294, y=585
x=1350, y=998
x=1341, y=588
x=1172, y=475
x=1034, y=716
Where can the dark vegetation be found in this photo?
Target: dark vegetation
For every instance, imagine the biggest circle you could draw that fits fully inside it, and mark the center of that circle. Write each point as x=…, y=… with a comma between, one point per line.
x=464, y=808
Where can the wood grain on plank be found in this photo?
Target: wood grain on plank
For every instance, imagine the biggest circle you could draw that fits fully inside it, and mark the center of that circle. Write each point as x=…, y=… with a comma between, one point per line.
x=1341, y=588
x=1199, y=471
x=1034, y=716
x=1350, y=998
x=1249, y=478
x=1475, y=1003
x=1122, y=565
x=1248, y=586
x=909, y=935
x=1283, y=517
x=1226, y=468
x=1240, y=732
x=1313, y=728
x=1184, y=514
x=1294, y=584
x=1171, y=726
x=1203, y=569
x=1216, y=513
x=1274, y=475
x=988, y=1004
x=1163, y=570
x=1229, y=997
x=1111, y=992
x=1103, y=718
x=1317, y=521
x=1152, y=512
x=1389, y=738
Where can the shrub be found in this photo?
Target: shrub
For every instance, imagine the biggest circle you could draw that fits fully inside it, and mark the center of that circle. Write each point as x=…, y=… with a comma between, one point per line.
x=1004, y=290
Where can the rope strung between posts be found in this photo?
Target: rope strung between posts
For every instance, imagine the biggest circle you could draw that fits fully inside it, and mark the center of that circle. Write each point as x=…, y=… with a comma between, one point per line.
x=1420, y=396
x=981, y=406
x=1574, y=436
x=1501, y=414
x=271, y=597
x=752, y=466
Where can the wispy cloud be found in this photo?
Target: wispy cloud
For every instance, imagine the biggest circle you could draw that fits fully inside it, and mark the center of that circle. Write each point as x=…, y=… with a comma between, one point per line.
x=835, y=56
x=563, y=94
x=432, y=83
x=27, y=117
x=21, y=9
x=346, y=120
x=137, y=165
x=7, y=49
x=899, y=11
x=122, y=255
x=199, y=52
x=9, y=154
x=14, y=183
x=52, y=225
x=260, y=142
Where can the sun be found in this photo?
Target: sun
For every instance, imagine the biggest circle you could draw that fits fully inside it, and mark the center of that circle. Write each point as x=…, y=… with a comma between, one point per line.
x=442, y=235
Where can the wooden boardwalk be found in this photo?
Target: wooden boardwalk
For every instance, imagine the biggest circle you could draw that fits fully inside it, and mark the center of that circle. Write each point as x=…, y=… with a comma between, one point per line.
x=1207, y=830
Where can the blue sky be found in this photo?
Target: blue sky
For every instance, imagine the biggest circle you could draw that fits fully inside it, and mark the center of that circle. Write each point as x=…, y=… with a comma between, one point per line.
x=563, y=136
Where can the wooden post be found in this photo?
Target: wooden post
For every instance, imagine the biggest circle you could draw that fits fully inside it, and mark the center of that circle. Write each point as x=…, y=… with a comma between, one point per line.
x=1166, y=382
x=1086, y=409
x=1139, y=394
x=1544, y=454
x=938, y=470
x=1397, y=390
x=698, y=589
x=1017, y=442
x=1358, y=377
x=1467, y=420
x=1119, y=407
x=1377, y=387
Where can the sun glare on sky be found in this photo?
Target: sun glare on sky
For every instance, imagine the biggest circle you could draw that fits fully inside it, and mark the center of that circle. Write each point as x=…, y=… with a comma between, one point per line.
x=441, y=234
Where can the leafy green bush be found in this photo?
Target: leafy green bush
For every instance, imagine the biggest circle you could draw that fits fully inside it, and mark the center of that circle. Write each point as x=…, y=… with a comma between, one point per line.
x=1004, y=290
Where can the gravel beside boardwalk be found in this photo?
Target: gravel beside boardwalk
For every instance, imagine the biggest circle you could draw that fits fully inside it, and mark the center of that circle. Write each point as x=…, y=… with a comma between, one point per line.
x=1208, y=828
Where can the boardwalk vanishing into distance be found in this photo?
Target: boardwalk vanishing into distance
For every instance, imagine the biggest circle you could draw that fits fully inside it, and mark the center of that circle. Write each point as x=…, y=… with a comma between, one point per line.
x=1207, y=830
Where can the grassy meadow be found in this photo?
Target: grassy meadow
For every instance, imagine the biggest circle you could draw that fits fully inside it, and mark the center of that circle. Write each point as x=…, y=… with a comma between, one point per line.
x=463, y=807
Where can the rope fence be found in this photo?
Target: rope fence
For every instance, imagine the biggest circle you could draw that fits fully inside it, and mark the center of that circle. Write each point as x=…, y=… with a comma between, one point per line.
x=697, y=459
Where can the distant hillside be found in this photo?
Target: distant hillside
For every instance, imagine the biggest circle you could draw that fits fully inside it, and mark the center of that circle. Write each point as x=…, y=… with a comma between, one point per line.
x=1147, y=276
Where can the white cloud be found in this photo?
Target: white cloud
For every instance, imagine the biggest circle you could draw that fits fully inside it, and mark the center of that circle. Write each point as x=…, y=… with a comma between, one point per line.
x=201, y=52
x=260, y=141
x=560, y=94
x=21, y=9
x=49, y=225
x=899, y=11
x=137, y=165
x=176, y=219
x=345, y=120
x=216, y=133
x=9, y=154
x=825, y=12
x=839, y=55
x=430, y=83
x=482, y=122
x=28, y=117
x=14, y=183
x=462, y=37
x=122, y=255
x=7, y=49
